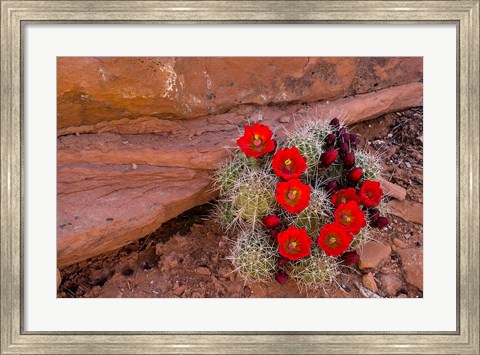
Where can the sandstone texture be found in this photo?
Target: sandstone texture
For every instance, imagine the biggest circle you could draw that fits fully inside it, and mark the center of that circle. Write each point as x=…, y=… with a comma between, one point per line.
x=412, y=265
x=372, y=254
x=139, y=137
x=369, y=282
x=92, y=90
x=391, y=284
x=407, y=210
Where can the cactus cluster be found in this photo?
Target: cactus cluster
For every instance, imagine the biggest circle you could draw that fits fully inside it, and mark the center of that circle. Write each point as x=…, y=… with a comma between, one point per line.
x=296, y=206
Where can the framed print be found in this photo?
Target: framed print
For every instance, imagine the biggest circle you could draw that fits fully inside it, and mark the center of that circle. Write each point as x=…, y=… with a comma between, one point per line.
x=239, y=177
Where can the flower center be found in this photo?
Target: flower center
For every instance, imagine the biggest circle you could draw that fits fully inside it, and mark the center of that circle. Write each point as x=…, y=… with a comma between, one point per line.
x=346, y=218
x=292, y=245
x=369, y=194
x=288, y=162
x=333, y=240
x=292, y=195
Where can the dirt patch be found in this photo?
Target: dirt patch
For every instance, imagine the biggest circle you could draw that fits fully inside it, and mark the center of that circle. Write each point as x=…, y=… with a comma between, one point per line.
x=188, y=256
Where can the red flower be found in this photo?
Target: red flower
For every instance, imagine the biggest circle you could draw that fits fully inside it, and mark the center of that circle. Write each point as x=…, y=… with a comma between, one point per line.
x=271, y=221
x=294, y=243
x=344, y=195
x=334, y=239
x=293, y=196
x=327, y=158
x=256, y=141
x=288, y=163
x=370, y=193
x=350, y=217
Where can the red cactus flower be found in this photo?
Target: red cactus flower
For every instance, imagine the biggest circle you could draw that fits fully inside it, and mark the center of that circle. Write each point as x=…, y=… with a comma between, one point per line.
x=370, y=193
x=327, y=158
x=344, y=195
x=334, y=239
x=256, y=141
x=351, y=217
x=293, y=196
x=271, y=221
x=289, y=163
x=355, y=175
x=281, y=277
x=294, y=243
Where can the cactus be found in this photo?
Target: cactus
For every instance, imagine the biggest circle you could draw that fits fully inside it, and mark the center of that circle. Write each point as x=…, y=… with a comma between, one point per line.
x=254, y=257
x=314, y=271
x=361, y=237
x=309, y=140
x=370, y=165
x=314, y=216
x=247, y=192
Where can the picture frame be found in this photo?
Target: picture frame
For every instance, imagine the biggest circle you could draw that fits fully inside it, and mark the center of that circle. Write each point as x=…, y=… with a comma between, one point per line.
x=464, y=14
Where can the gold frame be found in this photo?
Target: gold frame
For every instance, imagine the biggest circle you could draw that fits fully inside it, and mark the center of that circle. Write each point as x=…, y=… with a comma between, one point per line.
x=464, y=13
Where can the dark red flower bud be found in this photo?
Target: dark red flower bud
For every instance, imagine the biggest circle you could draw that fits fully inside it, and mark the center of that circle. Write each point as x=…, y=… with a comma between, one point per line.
x=344, y=138
x=274, y=233
x=349, y=160
x=342, y=131
x=343, y=149
x=281, y=277
x=373, y=214
x=354, y=139
x=330, y=139
x=332, y=186
x=283, y=261
x=271, y=221
x=381, y=222
x=355, y=175
x=327, y=158
x=335, y=123
x=350, y=257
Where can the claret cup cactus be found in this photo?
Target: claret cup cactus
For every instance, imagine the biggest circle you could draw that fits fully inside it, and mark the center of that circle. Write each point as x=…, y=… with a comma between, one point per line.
x=298, y=207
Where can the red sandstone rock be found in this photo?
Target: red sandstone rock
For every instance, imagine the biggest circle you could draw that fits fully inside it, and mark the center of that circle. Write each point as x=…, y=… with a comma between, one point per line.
x=369, y=282
x=372, y=254
x=92, y=90
x=393, y=190
x=412, y=265
x=102, y=207
x=406, y=210
x=391, y=284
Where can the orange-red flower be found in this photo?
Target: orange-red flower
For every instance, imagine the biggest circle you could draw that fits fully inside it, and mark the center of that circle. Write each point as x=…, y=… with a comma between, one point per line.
x=294, y=243
x=289, y=163
x=334, y=239
x=370, y=193
x=344, y=195
x=293, y=196
x=350, y=217
x=256, y=141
